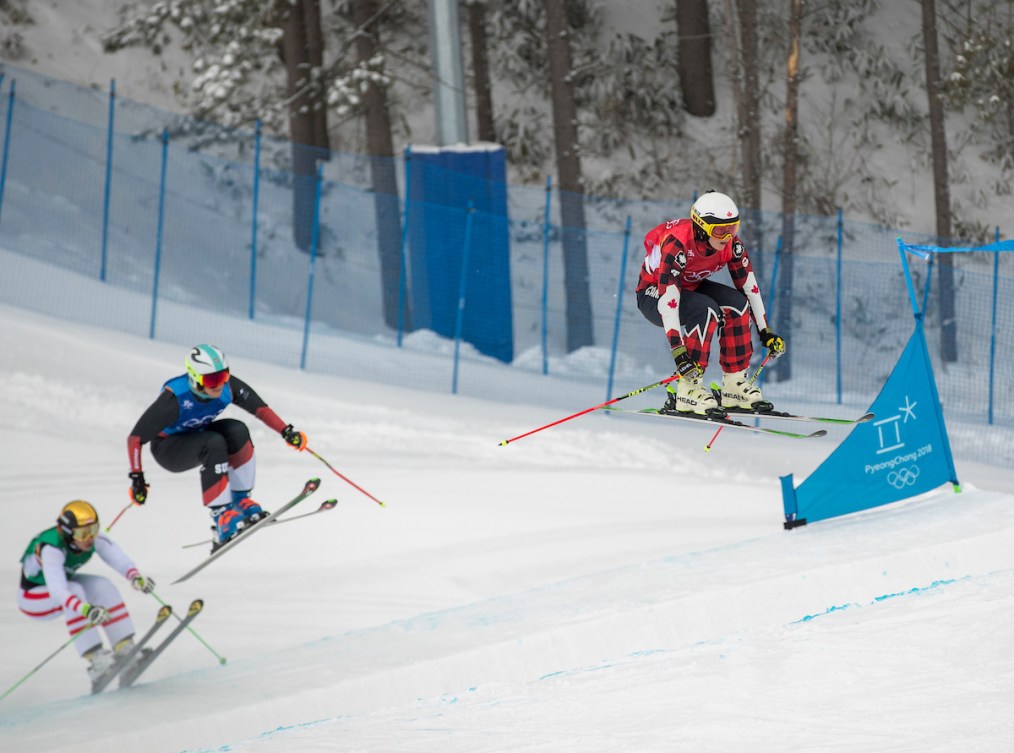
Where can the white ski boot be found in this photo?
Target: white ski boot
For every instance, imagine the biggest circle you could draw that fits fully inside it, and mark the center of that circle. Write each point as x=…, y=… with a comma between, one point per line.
x=691, y=396
x=100, y=660
x=739, y=393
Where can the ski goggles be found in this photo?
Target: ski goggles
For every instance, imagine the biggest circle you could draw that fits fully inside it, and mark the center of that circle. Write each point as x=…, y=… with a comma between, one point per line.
x=85, y=532
x=721, y=231
x=214, y=381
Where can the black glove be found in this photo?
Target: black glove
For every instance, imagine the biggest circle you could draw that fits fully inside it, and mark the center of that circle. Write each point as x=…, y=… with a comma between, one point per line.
x=685, y=365
x=293, y=438
x=772, y=342
x=138, y=488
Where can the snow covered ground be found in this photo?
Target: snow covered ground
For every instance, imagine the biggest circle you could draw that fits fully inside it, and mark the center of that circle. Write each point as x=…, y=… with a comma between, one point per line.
x=604, y=585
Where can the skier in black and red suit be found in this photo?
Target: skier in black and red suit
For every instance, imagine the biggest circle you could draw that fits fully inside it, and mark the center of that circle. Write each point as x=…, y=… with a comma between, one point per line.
x=185, y=432
x=675, y=292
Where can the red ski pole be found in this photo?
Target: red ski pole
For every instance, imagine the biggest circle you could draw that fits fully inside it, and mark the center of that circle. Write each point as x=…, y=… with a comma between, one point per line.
x=589, y=410
x=343, y=478
x=707, y=447
x=118, y=516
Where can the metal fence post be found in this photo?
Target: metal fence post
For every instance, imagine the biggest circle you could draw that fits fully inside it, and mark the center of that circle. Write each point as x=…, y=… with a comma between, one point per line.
x=619, y=309
x=158, y=233
x=545, y=277
x=253, y=219
x=109, y=178
x=7, y=143
x=313, y=264
x=462, y=294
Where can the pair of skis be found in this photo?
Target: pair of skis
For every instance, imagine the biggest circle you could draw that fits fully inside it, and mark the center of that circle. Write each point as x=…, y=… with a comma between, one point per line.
x=140, y=656
x=732, y=423
x=267, y=522
x=129, y=667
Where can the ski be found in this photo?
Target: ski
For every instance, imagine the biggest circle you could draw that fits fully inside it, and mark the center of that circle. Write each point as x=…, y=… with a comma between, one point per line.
x=327, y=504
x=309, y=488
x=788, y=416
x=718, y=421
x=110, y=674
x=130, y=675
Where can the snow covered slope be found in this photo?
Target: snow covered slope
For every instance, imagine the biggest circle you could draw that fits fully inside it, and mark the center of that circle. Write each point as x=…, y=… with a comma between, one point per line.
x=600, y=586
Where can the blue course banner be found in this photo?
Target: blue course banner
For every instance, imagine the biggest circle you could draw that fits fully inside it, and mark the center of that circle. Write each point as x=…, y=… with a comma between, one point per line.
x=903, y=452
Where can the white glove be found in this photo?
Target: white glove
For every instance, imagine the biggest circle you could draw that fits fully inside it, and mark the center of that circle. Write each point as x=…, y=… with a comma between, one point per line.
x=96, y=615
x=143, y=584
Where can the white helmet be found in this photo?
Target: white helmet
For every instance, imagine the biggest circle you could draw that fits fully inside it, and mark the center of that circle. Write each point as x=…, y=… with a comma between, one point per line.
x=206, y=367
x=715, y=215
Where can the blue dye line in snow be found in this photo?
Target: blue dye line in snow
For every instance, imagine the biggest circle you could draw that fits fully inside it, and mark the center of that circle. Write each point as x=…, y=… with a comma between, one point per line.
x=884, y=597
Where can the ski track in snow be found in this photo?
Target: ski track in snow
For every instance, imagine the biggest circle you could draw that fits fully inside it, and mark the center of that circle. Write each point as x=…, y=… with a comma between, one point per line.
x=602, y=586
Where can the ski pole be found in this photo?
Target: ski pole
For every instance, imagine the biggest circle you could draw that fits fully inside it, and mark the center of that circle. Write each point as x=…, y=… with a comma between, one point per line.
x=221, y=659
x=707, y=447
x=589, y=410
x=118, y=516
x=44, y=662
x=345, y=479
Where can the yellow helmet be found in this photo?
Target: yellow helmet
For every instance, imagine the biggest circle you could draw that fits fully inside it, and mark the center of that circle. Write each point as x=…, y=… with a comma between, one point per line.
x=79, y=523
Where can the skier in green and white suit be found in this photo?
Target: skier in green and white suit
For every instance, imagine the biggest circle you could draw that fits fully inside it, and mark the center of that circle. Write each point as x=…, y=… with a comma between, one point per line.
x=51, y=585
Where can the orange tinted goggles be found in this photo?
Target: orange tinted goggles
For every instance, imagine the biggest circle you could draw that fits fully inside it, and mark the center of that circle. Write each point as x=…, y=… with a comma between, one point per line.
x=724, y=232
x=216, y=380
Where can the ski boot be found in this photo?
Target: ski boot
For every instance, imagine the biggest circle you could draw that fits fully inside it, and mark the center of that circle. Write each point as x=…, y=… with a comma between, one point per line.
x=739, y=394
x=100, y=660
x=252, y=512
x=691, y=396
x=232, y=518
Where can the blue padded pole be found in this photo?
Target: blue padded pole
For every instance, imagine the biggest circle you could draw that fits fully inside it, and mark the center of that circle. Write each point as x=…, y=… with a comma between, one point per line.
x=253, y=217
x=313, y=266
x=158, y=233
x=619, y=309
x=109, y=178
x=459, y=321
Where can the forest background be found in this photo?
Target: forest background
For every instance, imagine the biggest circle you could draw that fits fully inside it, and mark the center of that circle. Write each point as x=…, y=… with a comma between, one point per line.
x=666, y=95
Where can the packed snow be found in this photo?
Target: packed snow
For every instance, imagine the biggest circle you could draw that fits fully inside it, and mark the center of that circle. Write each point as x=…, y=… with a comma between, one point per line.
x=603, y=585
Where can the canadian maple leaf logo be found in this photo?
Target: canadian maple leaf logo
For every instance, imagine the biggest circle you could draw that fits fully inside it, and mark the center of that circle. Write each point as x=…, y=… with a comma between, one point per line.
x=672, y=304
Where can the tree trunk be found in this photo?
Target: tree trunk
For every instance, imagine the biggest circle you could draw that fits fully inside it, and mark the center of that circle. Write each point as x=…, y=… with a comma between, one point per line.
x=380, y=148
x=783, y=366
x=750, y=128
x=568, y=166
x=696, y=77
x=480, y=71
x=941, y=185
x=302, y=51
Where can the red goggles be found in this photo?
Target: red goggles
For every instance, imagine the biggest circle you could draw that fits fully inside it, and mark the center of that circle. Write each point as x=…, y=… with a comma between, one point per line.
x=216, y=380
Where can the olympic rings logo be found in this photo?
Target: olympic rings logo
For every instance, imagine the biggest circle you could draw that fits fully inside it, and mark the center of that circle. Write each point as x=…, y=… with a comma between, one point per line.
x=903, y=477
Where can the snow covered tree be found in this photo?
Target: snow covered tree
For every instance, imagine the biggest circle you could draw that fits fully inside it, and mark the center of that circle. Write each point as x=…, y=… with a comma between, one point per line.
x=252, y=61
x=568, y=165
x=696, y=77
x=941, y=186
x=783, y=366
